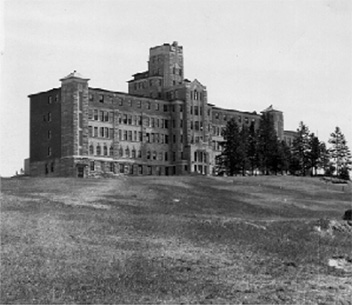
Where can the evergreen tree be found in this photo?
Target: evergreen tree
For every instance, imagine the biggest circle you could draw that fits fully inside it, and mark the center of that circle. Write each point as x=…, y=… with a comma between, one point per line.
x=252, y=154
x=324, y=160
x=340, y=153
x=243, y=149
x=231, y=157
x=284, y=153
x=267, y=147
x=301, y=148
x=314, y=154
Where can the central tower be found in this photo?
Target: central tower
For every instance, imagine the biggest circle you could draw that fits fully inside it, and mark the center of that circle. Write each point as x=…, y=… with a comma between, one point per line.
x=167, y=61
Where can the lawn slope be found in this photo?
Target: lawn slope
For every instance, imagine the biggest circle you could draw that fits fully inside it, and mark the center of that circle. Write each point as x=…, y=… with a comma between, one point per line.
x=173, y=239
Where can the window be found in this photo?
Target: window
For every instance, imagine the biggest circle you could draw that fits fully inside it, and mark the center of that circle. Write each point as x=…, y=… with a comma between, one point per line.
x=174, y=138
x=106, y=117
x=153, y=122
x=101, y=98
x=133, y=153
x=90, y=114
x=165, y=108
x=195, y=110
x=121, y=152
x=139, y=104
x=148, y=155
x=160, y=156
x=157, y=106
x=90, y=131
x=166, y=123
x=105, y=150
x=111, y=151
x=166, y=139
x=125, y=118
x=216, y=115
x=111, y=133
x=92, y=165
x=246, y=120
x=166, y=156
x=147, y=137
x=112, y=167
x=127, y=152
x=120, y=102
x=135, y=135
x=98, y=150
x=95, y=114
x=130, y=119
x=125, y=135
x=174, y=156
x=130, y=135
x=50, y=99
x=49, y=134
x=140, y=136
x=90, y=97
x=102, y=116
x=154, y=155
x=49, y=116
x=95, y=132
x=49, y=151
x=102, y=132
x=139, y=154
x=147, y=105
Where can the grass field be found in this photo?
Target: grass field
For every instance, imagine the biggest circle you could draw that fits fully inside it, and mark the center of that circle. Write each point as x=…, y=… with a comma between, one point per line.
x=241, y=240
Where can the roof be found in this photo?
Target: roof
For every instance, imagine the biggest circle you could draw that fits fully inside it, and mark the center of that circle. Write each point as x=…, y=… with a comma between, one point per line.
x=270, y=109
x=74, y=74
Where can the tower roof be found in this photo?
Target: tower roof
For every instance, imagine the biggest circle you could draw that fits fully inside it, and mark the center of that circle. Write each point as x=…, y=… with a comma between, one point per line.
x=74, y=74
x=270, y=109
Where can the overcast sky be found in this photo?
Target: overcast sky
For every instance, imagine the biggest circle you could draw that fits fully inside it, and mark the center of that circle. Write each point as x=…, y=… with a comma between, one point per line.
x=295, y=55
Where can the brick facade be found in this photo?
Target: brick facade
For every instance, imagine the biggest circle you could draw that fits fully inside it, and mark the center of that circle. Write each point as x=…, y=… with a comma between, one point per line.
x=164, y=125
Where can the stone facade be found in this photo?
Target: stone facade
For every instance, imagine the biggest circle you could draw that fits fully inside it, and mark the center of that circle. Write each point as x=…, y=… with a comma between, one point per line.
x=164, y=125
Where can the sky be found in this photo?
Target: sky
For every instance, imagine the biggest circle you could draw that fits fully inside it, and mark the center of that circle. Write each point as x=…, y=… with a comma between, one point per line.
x=294, y=55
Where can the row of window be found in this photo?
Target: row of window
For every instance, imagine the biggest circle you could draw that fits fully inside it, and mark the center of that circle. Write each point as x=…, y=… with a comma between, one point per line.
x=103, y=150
x=101, y=132
x=47, y=117
x=130, y=169
x=143, y=84
x=217, y=116
x=51, y=99
x=129, y=102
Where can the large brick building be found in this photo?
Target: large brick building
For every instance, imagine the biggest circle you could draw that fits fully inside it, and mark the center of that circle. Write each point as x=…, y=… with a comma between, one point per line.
x=164, y=125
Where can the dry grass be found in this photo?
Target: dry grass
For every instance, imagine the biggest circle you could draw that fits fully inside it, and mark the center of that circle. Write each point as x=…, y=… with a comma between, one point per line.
x=172, y=240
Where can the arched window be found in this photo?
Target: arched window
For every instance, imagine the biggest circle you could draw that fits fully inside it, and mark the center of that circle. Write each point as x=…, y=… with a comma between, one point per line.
x=111, y=152
x=121, y=152
x=91, y=149
x=127, y=152
x=148, y=155
x=98, y=150
x=133, y=153
x=105, y=150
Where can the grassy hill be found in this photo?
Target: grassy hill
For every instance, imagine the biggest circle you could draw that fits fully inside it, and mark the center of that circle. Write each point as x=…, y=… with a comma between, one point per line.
x=241, y=240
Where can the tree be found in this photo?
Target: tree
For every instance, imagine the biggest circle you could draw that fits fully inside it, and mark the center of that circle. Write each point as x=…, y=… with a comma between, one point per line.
x=252, y=154
x=232, y=155
x=301, y=148
x=243, y=149
x=267, y=147
x=324, y=160
x=314, y=154
x=340, y=153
